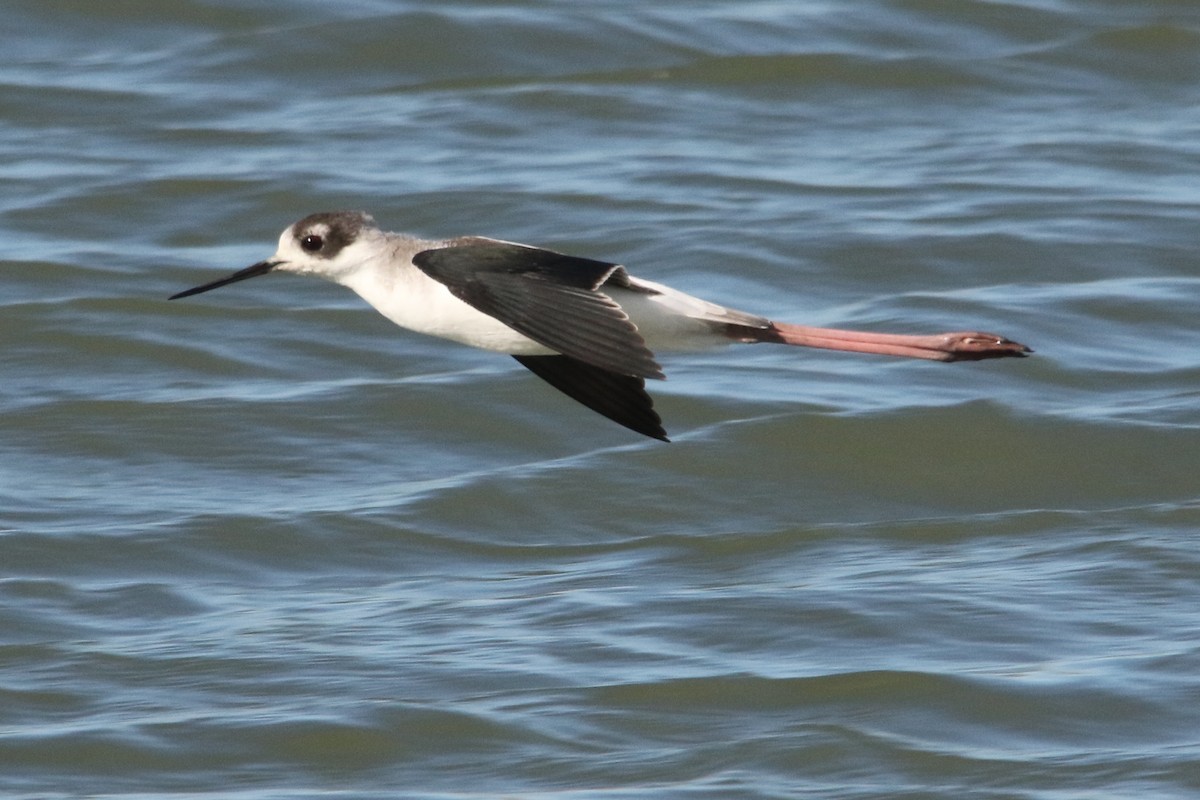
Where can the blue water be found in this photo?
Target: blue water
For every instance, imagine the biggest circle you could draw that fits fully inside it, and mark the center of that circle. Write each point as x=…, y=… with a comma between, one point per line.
x=260, y=543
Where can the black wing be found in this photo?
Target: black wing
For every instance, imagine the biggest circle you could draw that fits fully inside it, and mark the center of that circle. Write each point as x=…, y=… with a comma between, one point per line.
x=621, y=398
x=552, y=298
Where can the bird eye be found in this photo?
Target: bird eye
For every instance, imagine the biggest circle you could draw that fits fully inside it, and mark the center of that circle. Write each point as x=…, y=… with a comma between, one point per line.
x=312, y=243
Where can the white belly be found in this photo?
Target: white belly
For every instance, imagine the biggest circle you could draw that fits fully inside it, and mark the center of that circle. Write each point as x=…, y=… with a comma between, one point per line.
x=421, y=304
x=667, y=321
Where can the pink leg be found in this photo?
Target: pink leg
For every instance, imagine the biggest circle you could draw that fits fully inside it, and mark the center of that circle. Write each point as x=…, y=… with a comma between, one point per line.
x=958, y=346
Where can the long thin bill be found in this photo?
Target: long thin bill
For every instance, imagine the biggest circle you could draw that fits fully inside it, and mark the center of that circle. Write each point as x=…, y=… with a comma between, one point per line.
x=252, y=271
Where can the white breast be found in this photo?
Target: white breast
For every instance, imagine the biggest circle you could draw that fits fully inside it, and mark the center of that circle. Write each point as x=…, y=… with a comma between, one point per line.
x=413, y=300
x=668, y=319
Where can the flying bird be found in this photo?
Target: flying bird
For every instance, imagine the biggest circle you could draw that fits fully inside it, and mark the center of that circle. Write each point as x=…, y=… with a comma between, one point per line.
x=586, y=327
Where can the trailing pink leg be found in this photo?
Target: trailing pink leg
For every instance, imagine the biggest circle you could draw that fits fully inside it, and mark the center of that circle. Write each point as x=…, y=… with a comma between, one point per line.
x=958, y=346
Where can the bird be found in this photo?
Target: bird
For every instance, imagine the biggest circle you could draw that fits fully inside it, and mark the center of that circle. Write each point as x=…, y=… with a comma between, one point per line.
x=587, y=327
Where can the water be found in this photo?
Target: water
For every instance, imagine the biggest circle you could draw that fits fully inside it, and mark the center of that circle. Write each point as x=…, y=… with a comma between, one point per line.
x=261, y=544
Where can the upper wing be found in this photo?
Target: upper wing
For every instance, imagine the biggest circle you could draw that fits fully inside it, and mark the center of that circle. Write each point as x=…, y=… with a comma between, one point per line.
x=552, y=298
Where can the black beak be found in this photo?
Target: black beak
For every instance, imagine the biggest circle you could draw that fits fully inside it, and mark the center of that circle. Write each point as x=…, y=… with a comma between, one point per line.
x=252, y=271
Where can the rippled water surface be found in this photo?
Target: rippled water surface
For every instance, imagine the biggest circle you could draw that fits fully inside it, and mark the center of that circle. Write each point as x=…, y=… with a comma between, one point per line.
x=261, y=543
